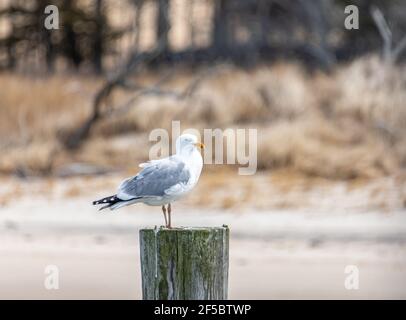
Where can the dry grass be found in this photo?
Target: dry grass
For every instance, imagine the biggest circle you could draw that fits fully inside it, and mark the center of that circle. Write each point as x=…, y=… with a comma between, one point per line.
x=349, y=124
x=317, y=147
x=33, y=112
x=39, y=107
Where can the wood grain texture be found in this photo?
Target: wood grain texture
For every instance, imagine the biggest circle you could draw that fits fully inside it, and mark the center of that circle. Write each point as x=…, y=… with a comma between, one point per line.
x=184, y=263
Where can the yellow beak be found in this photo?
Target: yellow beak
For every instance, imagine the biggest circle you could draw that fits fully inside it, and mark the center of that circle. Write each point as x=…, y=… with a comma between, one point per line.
x=199, y=144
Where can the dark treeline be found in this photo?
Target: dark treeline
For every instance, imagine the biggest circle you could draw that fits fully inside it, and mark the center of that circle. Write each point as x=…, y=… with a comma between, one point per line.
x=242, y=31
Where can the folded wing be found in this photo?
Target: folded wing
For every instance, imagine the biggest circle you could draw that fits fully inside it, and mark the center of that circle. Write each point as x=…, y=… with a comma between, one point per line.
x=155, y=180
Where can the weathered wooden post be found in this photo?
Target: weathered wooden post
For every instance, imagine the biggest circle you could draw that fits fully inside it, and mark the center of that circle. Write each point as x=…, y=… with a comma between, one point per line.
x=184, y=263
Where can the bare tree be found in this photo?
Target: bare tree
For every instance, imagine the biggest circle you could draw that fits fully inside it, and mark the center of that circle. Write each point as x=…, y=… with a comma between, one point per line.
x=220, y=36
x=390, y=52
x=163, y=23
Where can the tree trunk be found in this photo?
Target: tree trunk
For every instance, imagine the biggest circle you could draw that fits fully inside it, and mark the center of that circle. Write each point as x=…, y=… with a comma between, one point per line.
x=163, y=24
x=220, y=27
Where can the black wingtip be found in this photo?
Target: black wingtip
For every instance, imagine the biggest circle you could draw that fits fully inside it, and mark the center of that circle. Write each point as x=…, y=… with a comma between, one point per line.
x=107, y=201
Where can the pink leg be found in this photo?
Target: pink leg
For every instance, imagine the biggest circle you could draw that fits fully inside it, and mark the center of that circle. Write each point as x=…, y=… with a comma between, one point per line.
x=169, y=215
x=164, y=212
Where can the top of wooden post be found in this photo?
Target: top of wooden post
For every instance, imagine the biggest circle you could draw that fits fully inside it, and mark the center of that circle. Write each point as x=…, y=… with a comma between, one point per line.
x=184, y=229
x=184, y=262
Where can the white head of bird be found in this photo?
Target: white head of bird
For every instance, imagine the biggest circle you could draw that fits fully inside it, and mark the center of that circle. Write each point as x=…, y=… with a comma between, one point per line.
x=187, y=144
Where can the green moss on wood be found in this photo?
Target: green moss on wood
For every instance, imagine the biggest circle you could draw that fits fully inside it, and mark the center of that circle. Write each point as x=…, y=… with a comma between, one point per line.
x=184, y=263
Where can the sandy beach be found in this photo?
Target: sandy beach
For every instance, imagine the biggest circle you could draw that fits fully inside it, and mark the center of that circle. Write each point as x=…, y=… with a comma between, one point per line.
x=274, y=254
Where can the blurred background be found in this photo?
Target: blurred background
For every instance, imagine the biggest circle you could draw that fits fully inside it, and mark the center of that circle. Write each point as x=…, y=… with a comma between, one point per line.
x=77, y=105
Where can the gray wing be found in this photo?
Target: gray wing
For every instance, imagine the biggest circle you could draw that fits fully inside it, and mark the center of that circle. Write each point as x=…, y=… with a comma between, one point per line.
x=154, y=180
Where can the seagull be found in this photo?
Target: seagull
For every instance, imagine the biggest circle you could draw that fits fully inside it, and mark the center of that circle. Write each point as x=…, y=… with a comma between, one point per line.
x=162, y=181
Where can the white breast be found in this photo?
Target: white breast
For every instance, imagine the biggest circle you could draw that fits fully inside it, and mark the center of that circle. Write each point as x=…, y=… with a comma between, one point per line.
x=195, y=164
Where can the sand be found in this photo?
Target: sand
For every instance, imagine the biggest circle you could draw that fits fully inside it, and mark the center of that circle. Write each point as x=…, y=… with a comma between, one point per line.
x=274, y=254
